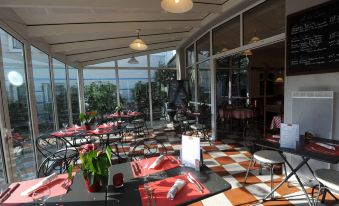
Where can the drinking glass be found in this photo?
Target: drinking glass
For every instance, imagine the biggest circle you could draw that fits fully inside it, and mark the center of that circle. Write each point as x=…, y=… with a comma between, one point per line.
x=40, y=195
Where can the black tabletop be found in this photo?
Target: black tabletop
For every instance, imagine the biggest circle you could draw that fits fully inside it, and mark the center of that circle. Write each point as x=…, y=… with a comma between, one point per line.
x=129, y=193
x=301, y=151
x=78, y=195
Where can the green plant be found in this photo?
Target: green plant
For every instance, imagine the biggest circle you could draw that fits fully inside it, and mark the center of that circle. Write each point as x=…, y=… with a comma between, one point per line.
x=87, y=117
x=118, y=108
x=95, y=163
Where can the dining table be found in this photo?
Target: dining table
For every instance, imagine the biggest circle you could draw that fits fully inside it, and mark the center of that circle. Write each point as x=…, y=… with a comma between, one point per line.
x=132, y=191
x=308, y=148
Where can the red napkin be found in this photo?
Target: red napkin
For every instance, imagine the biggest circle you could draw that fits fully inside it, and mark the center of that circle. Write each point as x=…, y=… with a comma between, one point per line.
x=55, y=188
x=168, y=163
x=63, y=134
x=161, y=188
x=314, y=147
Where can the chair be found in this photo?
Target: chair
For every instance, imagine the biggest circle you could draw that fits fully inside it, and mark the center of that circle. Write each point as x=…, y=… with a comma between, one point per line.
x=266, y=158
x=146, y=148
x=184, y=121
x=328, y=180
x=55, y=163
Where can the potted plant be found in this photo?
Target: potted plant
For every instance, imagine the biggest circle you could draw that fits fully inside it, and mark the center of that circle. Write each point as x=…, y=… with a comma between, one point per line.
x=88, y=119
x=95, y=166
x=118, y=109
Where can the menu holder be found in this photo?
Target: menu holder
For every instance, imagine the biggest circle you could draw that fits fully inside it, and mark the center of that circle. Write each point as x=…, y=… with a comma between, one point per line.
x=289, y=135
x=190, y=151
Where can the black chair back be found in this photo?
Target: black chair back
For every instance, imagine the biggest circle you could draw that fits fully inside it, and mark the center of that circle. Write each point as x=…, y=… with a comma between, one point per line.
x=146, y=148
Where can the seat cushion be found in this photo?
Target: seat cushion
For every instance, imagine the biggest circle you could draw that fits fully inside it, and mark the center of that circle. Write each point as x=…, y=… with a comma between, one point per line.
x=268, y=157
x=328, y=177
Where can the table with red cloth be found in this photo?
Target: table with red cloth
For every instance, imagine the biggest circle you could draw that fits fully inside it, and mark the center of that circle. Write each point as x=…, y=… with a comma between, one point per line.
x=133, y=193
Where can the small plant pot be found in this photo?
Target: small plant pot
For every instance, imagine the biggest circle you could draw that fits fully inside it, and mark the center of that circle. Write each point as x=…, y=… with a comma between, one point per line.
x=93, y=188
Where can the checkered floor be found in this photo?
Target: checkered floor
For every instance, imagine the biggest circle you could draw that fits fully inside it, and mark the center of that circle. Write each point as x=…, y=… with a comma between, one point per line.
x=229, y=159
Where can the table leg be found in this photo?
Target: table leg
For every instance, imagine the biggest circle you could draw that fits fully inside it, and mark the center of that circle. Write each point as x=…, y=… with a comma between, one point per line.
x=293, y=172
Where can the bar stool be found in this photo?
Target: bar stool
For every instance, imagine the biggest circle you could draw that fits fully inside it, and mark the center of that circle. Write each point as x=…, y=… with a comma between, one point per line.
x=328, y=180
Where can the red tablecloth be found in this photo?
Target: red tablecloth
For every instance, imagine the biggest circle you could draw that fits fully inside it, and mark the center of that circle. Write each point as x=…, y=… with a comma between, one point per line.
x=161, y=188
x=99, y=131
x=63, y=134
x=55, y=188
x=312, y=146
x=168, y=163
x=273, y=139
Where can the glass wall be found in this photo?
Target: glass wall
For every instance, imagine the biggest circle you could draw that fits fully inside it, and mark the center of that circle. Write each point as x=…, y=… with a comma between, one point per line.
x=203, y=48
x=133, y=86
x=204, y=83
x=191, y=82
x=100, y=90
x=20, y=143
x=43, y=90
x=142, y=62
x=61, y=92
x=190, y=55
x=226, y=36
x=74, y=90
x=163, y=60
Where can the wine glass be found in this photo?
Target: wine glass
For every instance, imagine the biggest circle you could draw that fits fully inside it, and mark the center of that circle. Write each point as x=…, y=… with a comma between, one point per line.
x=40, y=195
x=65, y=125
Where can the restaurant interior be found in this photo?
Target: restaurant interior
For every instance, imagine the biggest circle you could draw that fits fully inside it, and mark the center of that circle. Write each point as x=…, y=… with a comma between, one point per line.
x=169, y=102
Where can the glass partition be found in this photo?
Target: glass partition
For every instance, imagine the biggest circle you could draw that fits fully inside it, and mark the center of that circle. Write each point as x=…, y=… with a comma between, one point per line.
x=190, y=55
x=204, y=83
x=100, y=90
x=142, y=62
x=191, y=82
x=264, y=20
x=104, y=64
x=59, y=69
x=74, y=87
x=20, y=143
x=43, y=90
x=203, y=48
x=226, y=36
x=163, y=59
x=133, y=86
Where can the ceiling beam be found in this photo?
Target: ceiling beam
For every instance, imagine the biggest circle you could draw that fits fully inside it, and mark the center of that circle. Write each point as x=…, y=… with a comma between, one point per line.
x=88, y=46
x=117, y=51
x=52, y=30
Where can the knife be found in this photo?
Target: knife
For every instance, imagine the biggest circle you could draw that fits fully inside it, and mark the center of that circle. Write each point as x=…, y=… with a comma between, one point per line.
x=4, y=192
x=195, y=184
x=134, y=169
x=4, y=198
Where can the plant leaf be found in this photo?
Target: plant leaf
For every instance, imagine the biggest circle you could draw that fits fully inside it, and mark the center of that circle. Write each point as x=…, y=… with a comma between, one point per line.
x=109, y=154
x=70, y=171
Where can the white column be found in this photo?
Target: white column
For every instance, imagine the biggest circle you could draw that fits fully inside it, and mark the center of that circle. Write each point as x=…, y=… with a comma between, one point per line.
x=81, y=89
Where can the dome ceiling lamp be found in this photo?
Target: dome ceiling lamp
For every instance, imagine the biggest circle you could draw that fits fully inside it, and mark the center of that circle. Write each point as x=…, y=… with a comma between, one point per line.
x=133, y=60
x=138, y=44
x=177, y=6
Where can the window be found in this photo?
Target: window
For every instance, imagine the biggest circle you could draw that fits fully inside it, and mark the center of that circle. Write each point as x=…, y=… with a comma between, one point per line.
x=190, y=55
x=20, y=146
x=203, y=47
x=141, y=59
x=204, y=83
x=61, y=91
x=105, y=64
x=163, y=59
x=100, y=90
x=264, y=20
x=74, y=90
x=226, y=36
x=191, y=82
x=43, y=90
x=134, y=90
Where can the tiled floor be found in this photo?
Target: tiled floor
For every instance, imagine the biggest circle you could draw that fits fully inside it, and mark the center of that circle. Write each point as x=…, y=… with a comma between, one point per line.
x=230, y=161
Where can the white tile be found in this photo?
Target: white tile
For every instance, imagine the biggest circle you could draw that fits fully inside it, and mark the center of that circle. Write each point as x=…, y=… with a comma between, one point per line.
x=260, y=190
x=223, y=147
x=219, y=199
x=239, y=157
x=217, y=154
x=234, y=168
x=234, y=182
x=265, y=176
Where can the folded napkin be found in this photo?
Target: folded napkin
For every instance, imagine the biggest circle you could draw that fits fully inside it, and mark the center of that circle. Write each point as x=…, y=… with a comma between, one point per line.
x=327, y=146
x=157, y=162
x=43, y=182
x=178, y=185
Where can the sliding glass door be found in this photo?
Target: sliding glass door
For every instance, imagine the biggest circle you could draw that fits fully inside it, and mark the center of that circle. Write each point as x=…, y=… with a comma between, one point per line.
x=16, y=115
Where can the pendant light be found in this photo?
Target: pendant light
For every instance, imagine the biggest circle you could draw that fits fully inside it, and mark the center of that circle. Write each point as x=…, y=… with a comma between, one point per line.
x=138, y=44
x=133, y=60
x=177, y=6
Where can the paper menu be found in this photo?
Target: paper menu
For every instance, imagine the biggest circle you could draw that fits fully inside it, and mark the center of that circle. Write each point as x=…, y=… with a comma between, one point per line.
x=190, y=150
x=289, y=135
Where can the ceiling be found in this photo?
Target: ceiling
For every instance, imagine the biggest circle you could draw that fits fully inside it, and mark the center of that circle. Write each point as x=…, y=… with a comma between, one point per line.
x=94, y=31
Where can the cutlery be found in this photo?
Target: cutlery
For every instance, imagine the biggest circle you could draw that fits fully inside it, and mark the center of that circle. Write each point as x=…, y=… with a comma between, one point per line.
x=138, y=167
x=150, y=195
x=134, y=169
x=4, y=192
x=195, y=184
x=10, y=191
x=196, y=181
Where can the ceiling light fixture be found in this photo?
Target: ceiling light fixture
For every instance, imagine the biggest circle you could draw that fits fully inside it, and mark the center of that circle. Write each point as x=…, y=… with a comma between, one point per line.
x=138, y=44
x=133, y=60
x=177, y=6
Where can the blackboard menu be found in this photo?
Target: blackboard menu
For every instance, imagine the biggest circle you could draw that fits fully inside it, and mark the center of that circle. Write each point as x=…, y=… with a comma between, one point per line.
x=313, y=40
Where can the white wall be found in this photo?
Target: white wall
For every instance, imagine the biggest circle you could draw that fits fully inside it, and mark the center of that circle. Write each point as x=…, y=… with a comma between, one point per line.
x=313, y=82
